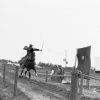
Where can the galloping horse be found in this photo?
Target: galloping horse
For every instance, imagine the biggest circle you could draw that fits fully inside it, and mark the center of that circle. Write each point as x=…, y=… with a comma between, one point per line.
x=29, y=64
x=28, y=61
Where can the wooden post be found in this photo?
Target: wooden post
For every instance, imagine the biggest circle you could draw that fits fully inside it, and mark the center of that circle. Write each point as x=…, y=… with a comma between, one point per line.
x=87, y=84
x=75, y=59
x=65, y=58
x=81, y=85
x=74, y=85
x=46, y=76
x=15, y=83
x=4, y=69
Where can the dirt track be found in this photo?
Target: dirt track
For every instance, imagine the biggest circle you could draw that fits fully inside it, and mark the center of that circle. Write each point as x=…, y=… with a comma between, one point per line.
x=37, y=90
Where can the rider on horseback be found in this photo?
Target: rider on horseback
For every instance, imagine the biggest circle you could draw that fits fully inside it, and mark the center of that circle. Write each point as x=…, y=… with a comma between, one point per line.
x=30, y=53
x=30, y=56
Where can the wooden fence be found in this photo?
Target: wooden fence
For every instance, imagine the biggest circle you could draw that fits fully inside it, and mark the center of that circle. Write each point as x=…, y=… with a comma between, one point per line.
x=15, y=81
x=74, y=82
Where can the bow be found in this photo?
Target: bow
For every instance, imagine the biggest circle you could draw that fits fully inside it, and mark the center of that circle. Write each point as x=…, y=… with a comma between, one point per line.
x=41, y=48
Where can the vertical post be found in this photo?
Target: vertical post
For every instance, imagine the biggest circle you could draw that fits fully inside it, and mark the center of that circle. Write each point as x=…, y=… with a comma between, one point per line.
x=4, y=69
x=15, y=83
x=65, y=57
x=46, y=76
x=81, y=84
x=74, y=85
x=87, y=84
x=75, y=59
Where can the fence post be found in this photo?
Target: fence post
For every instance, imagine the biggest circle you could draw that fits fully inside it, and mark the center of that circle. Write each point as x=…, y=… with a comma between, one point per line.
x=87, y=84
x=74, y=85
x=81, y=85
x=46, y=76
x=15, y=83
x=4, y=69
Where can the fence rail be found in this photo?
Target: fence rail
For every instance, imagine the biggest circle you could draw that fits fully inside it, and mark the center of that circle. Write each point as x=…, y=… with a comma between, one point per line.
x=52, y=75
x=90, y=77
x=16, y=77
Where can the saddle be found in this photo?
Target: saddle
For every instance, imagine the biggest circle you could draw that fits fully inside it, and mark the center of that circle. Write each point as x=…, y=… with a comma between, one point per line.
x=29, y=60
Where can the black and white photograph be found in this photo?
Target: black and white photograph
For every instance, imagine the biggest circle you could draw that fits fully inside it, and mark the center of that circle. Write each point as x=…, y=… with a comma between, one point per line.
x=49, y=50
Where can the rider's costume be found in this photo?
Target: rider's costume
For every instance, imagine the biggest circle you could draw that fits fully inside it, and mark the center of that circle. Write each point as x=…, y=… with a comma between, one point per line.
x=30, y=53
x=29, y=56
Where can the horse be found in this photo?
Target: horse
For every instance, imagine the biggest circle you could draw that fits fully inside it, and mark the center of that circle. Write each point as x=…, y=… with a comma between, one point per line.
x=29, y=65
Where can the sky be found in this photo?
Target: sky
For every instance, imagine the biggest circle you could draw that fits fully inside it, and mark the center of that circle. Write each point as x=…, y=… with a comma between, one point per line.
x=51, y=25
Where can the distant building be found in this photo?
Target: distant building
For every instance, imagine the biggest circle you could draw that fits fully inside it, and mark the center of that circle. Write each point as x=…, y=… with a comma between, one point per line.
x=97, y=63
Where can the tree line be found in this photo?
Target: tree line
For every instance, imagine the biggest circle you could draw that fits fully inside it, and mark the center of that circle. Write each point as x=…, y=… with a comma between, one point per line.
x=42, y=64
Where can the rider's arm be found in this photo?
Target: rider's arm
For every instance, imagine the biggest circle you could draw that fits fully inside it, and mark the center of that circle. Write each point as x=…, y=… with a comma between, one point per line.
x=37, y=49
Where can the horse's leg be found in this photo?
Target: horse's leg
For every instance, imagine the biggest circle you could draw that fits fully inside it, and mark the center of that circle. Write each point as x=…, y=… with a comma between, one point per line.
x=35, y=70
x=22, y=67
x=25, y=73
x=29, y=74
x=22, y=71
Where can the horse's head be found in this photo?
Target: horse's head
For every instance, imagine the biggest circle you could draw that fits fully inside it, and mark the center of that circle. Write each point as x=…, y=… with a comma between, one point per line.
x=25, y=48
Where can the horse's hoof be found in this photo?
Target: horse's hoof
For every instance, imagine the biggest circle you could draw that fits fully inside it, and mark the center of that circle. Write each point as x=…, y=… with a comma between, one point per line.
x=29, y=80
x=24, y=77
x=36, y=75
x=20, y=76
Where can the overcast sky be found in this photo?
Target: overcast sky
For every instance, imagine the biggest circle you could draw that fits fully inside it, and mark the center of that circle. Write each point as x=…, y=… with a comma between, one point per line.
x=53, y=25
